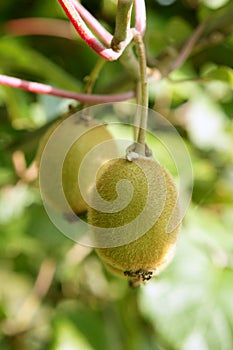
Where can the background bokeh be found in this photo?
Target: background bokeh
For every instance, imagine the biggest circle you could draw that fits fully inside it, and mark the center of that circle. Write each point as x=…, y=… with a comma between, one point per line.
x=56, y=295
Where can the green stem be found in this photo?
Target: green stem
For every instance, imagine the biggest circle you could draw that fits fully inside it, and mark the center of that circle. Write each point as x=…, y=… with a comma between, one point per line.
x=90, y=82
x=137, y=115
x=94, y=75
x=123, y=17
x=141, y=137
x=129, y=61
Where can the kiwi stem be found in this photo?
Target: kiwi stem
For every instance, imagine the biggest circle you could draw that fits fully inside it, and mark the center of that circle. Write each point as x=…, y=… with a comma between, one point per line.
x=91, y=79
x=136, y=121
x=122, y=27
x=141, y=137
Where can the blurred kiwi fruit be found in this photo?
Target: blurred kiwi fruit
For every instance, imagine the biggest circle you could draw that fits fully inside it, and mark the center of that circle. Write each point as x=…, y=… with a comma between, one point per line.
x=89, y=134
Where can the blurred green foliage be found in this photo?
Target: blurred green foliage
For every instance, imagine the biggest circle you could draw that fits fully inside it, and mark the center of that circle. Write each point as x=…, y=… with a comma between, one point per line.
x=55, y=295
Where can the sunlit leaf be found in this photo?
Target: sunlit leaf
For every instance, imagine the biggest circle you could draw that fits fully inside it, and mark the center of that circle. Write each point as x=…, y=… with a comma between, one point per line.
x=18, y=106
x=191, y=303
x=68, y=337
x=224, y=74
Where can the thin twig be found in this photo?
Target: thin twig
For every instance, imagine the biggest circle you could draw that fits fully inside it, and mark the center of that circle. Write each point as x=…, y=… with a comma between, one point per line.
x=122, y=27
x=23, y=320
x=39, y=26
x=91, y=79
x=25, y=174
x=93, y=76
x=101, y=32
x=218, y=27
x=49, y=90
x=188, y=80
x=85, y=32
x=188, y=47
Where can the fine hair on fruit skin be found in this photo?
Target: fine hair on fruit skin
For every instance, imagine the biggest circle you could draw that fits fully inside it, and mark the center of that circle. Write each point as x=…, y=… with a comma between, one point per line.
x=87, y=133
x=149, y=254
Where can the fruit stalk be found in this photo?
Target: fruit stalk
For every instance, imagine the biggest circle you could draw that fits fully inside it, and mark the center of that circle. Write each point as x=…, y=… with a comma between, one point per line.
x=122, y=27
x=141, y=138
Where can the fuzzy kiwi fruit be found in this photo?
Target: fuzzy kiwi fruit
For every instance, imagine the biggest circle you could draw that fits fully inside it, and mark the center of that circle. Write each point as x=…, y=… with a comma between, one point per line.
x=146, y=256
x=92, y=133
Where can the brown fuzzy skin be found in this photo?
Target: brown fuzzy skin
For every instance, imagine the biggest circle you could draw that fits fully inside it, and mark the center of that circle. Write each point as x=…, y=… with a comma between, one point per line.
x=152, y=251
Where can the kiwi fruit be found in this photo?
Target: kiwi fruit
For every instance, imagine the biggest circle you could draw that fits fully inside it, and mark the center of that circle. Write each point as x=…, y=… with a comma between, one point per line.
x=149, y=253
x=92, y=133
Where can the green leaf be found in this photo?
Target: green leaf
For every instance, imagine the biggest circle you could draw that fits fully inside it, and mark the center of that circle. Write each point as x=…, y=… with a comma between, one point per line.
x=67, y=336
x=178, y=29
x=14, y=55
x=191, y=304
x=17, y=103
x=87, y=321
x=223, y=73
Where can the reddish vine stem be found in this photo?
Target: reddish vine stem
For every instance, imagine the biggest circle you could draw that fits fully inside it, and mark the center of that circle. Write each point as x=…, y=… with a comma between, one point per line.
x=40, y=26
x=85, y=32
x=49, y=90
x=140, y=16
x=75, y=12
x=188, y=47
x=102, y=33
